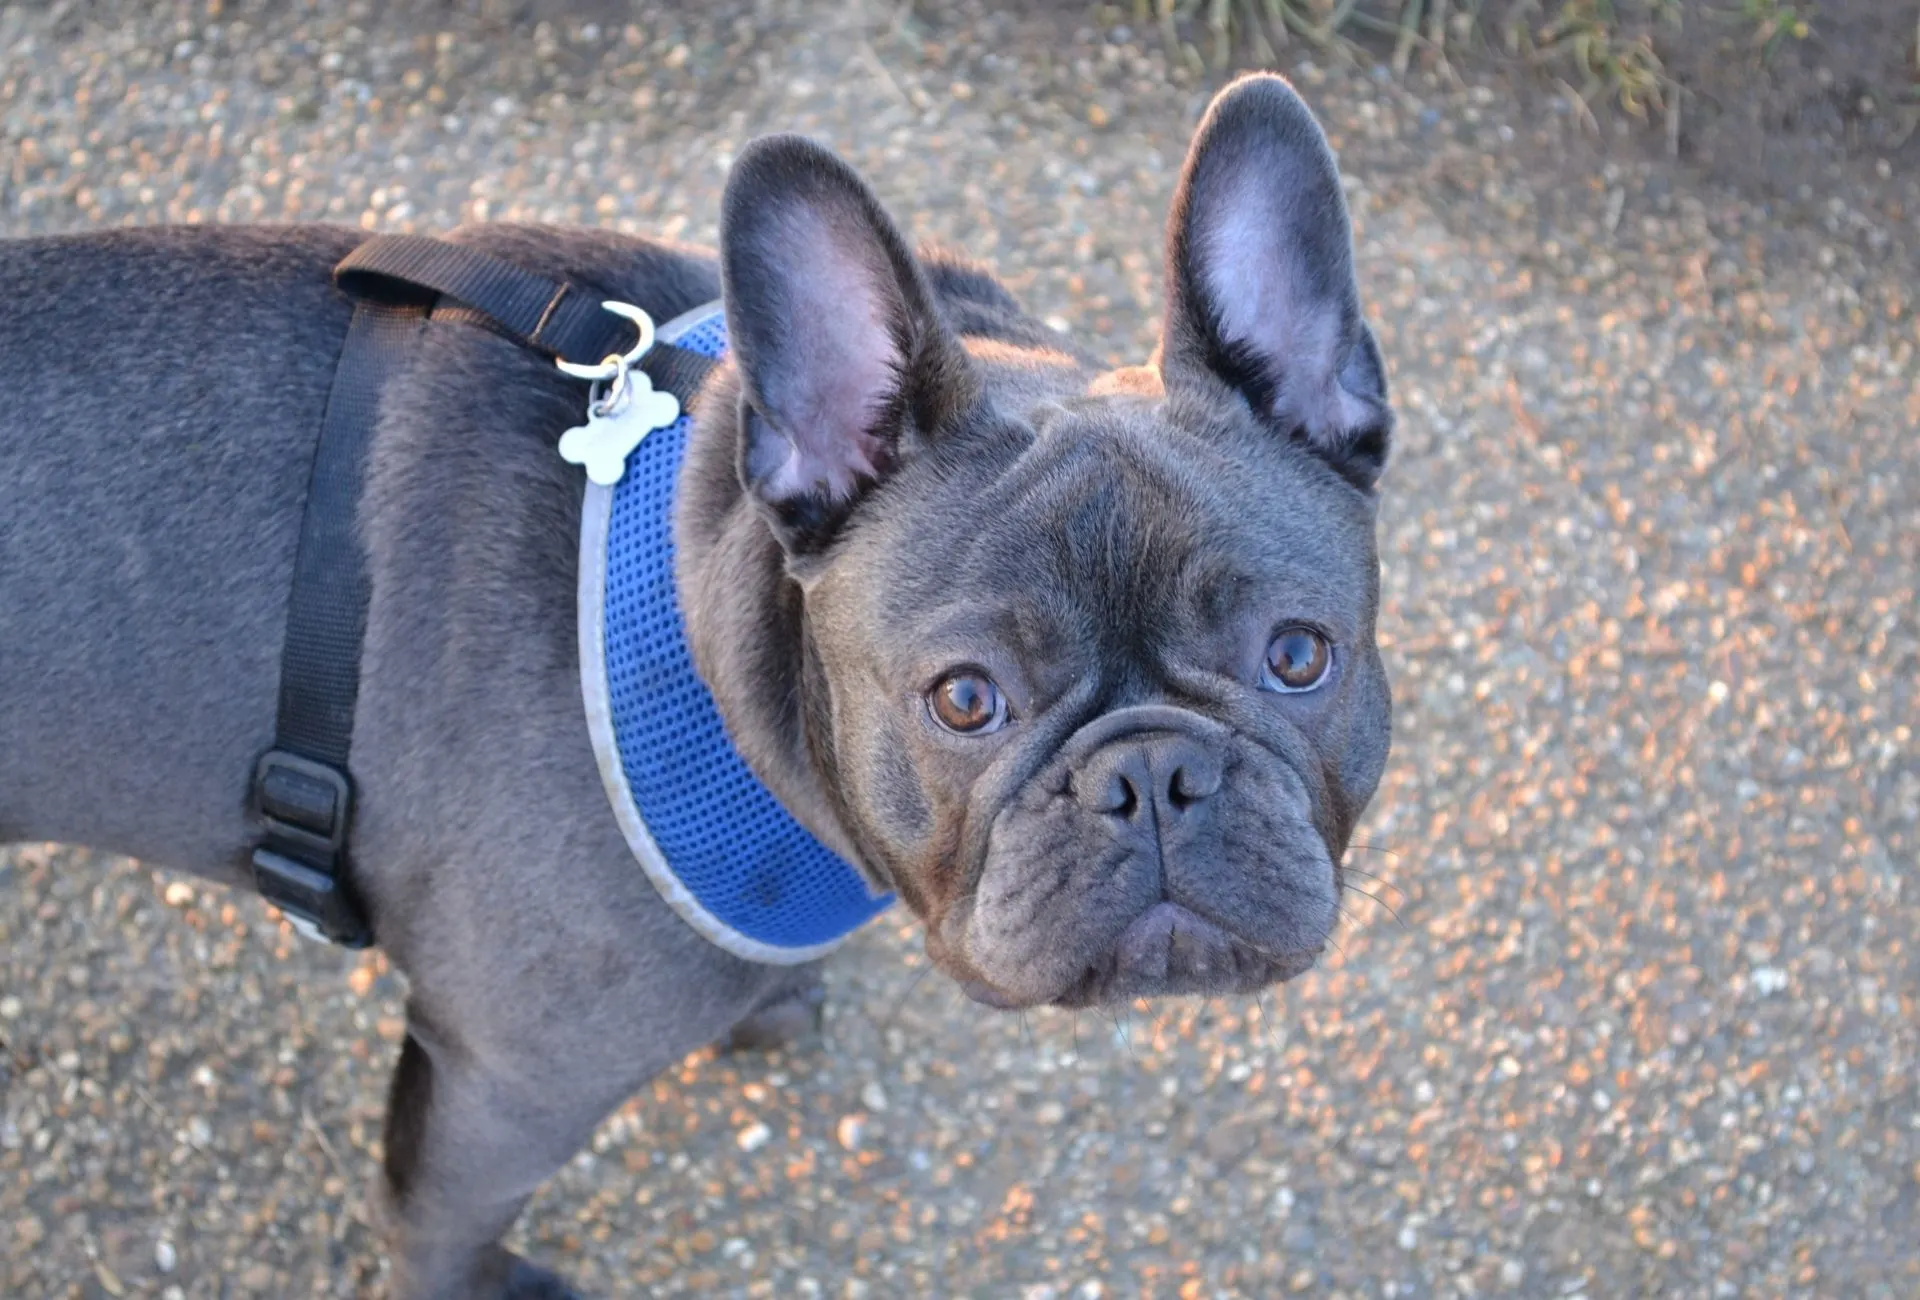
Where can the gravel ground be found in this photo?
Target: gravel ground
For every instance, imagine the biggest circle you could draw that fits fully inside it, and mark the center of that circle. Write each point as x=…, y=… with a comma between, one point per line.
x=1648, y=1022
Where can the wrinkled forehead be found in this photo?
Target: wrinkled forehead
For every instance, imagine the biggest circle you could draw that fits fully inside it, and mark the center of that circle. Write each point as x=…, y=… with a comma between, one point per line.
x=1106, y=514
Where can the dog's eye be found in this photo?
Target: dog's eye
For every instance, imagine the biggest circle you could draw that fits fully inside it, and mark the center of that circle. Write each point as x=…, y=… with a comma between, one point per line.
x=1297, y=660
x=967, y=703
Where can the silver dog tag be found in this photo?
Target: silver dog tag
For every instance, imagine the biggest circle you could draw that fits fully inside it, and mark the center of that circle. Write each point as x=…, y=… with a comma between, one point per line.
x=616, y=425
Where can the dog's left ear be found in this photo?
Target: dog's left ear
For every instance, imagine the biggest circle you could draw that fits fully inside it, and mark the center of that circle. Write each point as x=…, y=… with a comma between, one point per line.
x=1260, y=286
x=846, y=363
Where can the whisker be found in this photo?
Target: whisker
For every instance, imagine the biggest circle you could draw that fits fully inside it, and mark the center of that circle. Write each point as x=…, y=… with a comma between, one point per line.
x=1270, y=1020
x=901, y=1002
x=1353, y=922
x=1349, y=868
x=974, y=1010
x=1335, y=942
x=1375, y=848
x=1375, y=898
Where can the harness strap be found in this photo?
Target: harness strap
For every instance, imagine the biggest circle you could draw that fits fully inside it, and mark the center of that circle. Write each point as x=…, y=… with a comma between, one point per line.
x=301, y=787
x=677, y=370
x=552, y=317
x=548, y=316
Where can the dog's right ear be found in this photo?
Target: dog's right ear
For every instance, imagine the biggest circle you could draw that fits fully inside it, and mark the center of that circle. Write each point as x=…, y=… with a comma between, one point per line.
x=1261, y=295
x=845, y=363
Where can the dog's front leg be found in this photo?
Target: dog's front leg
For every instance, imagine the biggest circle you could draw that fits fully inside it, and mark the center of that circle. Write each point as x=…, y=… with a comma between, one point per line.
x=491, y=1097
x=467, y=1142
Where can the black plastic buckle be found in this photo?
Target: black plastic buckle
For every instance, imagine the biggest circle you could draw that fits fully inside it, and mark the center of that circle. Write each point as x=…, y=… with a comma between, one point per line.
x=301, y=868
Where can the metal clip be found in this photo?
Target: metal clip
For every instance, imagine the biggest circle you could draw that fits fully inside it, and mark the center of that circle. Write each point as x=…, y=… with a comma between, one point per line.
x=614, y=365
x=622, y=406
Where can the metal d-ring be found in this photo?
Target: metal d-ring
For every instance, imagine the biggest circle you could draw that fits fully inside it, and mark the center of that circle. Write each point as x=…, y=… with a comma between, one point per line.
x=615, y=365
x=608, y=395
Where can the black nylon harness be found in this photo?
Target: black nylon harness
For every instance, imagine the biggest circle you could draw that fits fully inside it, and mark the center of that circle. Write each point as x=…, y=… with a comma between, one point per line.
x=302, y=789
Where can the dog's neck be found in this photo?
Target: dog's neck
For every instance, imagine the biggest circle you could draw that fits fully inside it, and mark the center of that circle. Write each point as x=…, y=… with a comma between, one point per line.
x=746, y=623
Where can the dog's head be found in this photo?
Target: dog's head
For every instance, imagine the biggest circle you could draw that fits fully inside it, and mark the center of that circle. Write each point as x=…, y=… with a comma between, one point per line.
x=1083, y=662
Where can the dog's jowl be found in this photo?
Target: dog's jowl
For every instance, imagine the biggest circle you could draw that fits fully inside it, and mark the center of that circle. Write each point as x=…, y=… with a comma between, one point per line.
x=1077, y=664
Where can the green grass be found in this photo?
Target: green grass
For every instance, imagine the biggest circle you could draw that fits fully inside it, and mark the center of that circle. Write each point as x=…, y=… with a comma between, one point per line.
x=1588, y=38
x=1600, y=51
x=1773, y=22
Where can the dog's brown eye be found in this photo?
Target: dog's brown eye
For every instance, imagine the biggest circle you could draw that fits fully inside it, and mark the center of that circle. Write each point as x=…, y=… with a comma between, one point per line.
x=1297, y=660
x=968, y=703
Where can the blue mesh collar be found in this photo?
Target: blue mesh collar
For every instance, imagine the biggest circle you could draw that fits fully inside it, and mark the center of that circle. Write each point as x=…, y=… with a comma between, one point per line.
x=729, y=859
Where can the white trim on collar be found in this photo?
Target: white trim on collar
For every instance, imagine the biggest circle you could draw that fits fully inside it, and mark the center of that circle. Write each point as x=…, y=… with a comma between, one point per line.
x=596, y=512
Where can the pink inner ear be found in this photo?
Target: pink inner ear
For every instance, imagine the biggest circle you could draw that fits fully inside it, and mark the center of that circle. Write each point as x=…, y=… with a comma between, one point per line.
x=842, y=366
x=1255, y=280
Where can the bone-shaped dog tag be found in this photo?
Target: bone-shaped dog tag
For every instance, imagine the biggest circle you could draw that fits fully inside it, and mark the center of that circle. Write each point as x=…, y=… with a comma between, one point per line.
x=605, y=441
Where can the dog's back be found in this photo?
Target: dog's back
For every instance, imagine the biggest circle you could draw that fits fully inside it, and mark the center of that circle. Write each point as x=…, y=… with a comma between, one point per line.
x=159, y=395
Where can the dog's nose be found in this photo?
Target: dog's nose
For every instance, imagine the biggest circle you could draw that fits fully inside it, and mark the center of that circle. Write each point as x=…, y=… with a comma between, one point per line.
x=1149, y=777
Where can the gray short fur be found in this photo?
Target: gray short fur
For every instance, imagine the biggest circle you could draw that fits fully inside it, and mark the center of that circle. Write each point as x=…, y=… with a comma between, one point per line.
x=932, y=480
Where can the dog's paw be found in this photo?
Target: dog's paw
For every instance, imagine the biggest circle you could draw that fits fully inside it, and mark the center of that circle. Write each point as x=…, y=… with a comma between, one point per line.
x=789, y=1019
x=531, y=1282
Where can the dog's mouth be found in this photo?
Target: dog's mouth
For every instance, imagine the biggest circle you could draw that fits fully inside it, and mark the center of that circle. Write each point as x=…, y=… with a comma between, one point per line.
x=1166, y=951
x=1114, y=877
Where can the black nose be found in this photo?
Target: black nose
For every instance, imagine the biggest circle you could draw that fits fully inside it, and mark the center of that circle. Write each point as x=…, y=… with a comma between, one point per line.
x=1142, y=778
